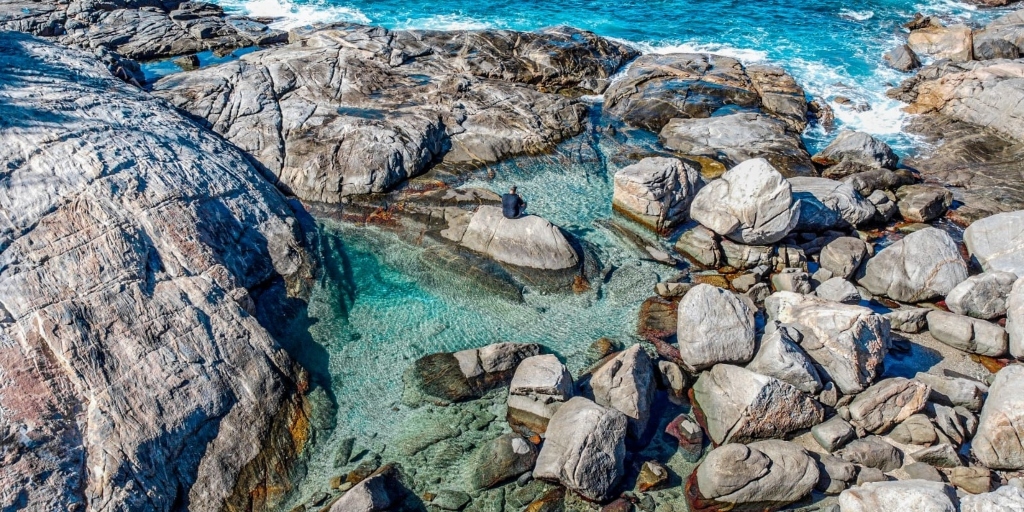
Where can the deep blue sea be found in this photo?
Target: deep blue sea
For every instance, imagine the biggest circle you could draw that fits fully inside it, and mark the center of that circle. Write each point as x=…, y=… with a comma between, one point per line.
x=381, y=306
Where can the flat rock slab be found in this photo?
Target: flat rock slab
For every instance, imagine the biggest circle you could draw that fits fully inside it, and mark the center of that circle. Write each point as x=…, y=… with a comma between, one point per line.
x=528, y=241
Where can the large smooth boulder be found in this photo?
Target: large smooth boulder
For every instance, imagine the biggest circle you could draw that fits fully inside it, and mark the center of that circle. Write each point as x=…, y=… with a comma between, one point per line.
x=764, y=474
x=968, y=334
x=1007, y=498
x=585, y=448
x=528, y=241
x=464, y=375
x=828, y=204
x=1015, y=319
x=838, y=289
x=740, y=405
x=997, y=242
x=540, y=385
x=999, y=440
x=923, y=265
x=921, y=202
x=954, y=43
x=379, y=492
x=883, y=405
x=735, y=138
x=143, y=265
x=857, y=148
x=714, y=326
x=849, y=343
x=626, y=383
x=657, y=191
x=780, y=356
x=954, y=391
x=751, y=203
x=982, y=296
x=873, y=452
x=899, y=496
x=843, y=256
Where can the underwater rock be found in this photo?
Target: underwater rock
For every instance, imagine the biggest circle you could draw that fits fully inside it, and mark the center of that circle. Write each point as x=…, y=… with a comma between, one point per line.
x=923, y=265
x=657, y=191
x=464, y=375
x=501, y=460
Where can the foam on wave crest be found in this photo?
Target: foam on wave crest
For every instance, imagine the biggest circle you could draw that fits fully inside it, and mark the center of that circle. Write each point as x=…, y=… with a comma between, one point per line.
x=290, y=14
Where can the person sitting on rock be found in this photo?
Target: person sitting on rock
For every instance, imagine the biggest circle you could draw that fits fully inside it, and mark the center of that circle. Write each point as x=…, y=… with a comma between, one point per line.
x=512, y=206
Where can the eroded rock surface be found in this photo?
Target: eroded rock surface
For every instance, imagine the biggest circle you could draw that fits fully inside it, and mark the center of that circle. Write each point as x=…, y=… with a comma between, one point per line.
x=924, y=265
x=999, y=441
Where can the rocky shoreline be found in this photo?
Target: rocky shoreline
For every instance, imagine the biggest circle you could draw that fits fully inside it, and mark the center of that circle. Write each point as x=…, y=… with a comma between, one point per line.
x=842, y=332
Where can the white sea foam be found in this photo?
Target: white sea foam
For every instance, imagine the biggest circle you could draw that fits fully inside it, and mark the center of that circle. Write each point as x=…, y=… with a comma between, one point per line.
x=851, y=14
x=447, y=22
x=290, y=14
x=742, y=54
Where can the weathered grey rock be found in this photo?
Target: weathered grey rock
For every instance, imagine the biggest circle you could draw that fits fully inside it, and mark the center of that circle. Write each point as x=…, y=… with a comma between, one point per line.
x=998, y=442
x=838, y=289
x=922, y=471
x=923, y=265
x=740, y=405
x=501, y=460
x=857, y=147
x=849, y=343
x=902, y=58
x=885, y=206
x=751, y=203
x=941, y=456
x=1004, y=499
x=714, y=326
x=769, y=473
x=626, y=383
x=836, y=475
x=585, y=448
x=735, y=138
x=878, y=180
x=139, y=256
x=540, y=385
x=873, y=452
x=899, y=496
x=357, y=110
x=828, y=204
x=1003, y=38
x=997, y=242
x=954, y=391
x=968, y=334
x=657, y=191
x=909, y=320
x=529, y=241
x=917, y=429
x=379, y=492
x=781, y=357
x=954, y=42
x=982, y=296
x=974, y=480
x=843, y=256
x=890, y=401
x=1015, y=319
x=700, y=244
x=867, y=475
x=833, y=434
x=466, y=374
x=672, y=379
x=923, y=202
x=792, y=280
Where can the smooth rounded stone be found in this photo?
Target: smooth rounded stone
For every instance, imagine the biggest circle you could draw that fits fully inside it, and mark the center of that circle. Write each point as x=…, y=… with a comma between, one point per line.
x=739, y=405
x=838, y=289
x=377, y=493
x=883, y=405
x=625, y=383
x=923, y=265
x=585, y=448
x=529, y=241
x=923, y=202
x=917, y=430
x=1015, y=319
x=954, y=391
x=833, y=434
x=954, y=42
x=857, y=147
x=899, y=496
x=657, y=191
x=540, y=386
x=781, y=357
x=671, y=290
x=902, y=58
x=873, y=452
x=999, y=440
x=653, y=476
x=974, y=480
x=1004, y=499
x=908, y=320
x=501, y=460
x=849, y=343
x=997, y=242
x=828, y=204
x=751, y=203
x=843, y=256
x=448, y=499
x=982, y=296
x=836, y=475
x=968, y=334
x=714, y=326
x=942, y=455
x=923, y=471
x=765, y=473
x=867, y=475
x=464, y=375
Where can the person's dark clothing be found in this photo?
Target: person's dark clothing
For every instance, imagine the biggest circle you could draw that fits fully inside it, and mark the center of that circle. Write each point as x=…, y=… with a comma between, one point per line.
x=512, y=206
